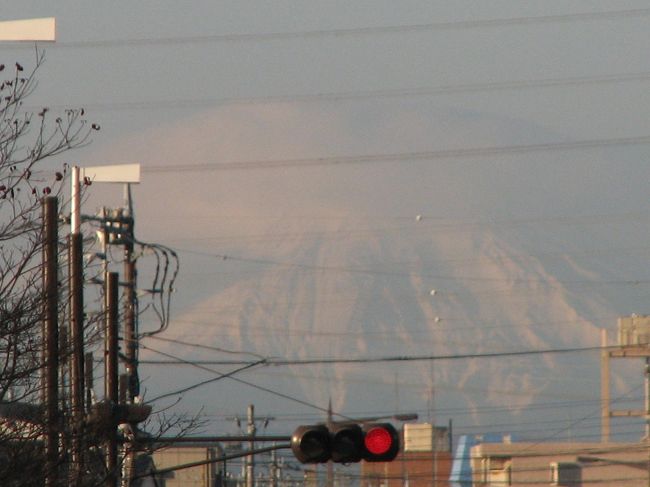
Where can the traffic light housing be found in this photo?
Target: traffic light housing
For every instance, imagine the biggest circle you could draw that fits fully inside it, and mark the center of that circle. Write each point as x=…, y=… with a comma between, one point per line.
x=345, y=443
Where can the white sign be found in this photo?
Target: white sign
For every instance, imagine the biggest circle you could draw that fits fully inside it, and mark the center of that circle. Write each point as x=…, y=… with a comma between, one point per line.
x=28, y=30
x=122, y=173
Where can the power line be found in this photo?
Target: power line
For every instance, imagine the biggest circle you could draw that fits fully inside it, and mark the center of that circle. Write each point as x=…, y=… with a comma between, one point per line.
x=359, y=31
x=427, y=358
x=385, y=359
x=364, y=94
x=231, y=377
x=400, y=156
x=202, y=383
x=355, y=270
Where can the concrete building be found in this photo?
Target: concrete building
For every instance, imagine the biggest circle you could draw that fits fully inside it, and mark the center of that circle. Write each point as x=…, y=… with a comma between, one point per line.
x=560, y=464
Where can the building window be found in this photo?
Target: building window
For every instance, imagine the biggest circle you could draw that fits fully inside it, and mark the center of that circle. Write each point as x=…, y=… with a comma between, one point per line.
x=496, y=471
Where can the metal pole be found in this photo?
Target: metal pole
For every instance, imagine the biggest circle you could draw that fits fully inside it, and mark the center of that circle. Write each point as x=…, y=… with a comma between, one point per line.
x=111, y=372
x=51, y=339
x=250, y=460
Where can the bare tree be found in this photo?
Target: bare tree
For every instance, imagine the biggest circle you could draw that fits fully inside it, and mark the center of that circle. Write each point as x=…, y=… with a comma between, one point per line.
x=30, y=143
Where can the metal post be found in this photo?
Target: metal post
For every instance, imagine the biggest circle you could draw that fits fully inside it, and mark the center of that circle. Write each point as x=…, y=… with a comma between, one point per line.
x=111, y=372
x=50, y=359
x=250, y=460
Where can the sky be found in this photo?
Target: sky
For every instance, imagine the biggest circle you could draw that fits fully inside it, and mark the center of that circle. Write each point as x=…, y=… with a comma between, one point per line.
x=253, y=117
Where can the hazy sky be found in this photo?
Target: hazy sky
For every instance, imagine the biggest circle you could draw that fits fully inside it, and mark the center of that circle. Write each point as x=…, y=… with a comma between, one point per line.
x=241, y=82
x=460, y=111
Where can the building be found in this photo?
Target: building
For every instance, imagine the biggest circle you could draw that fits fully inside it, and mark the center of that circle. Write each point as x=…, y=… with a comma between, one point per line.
x=207, y=475
x=560, y=464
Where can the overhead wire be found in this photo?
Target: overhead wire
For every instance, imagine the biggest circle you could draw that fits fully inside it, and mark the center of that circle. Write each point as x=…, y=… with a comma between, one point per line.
x=270, y=361
x=241, y=381
x=230, y=376
x=451, y=89
x=358, y=270
x=220, y=375
x=452, y=153
x=360, y=31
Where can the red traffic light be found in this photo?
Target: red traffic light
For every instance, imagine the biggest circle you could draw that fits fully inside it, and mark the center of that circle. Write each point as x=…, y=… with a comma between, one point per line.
x=378, y=441
x=381, y=442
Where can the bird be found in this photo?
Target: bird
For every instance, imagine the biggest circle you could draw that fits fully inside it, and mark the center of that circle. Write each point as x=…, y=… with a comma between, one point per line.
x=19, y=67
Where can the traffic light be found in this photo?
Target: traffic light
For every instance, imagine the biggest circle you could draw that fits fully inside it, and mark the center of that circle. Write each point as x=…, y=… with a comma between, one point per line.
x=345, y=443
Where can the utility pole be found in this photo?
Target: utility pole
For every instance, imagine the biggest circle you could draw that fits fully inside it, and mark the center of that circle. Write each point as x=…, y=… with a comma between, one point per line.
x=274, y=468
x=647, y=410
x=126, y=174
x=50, y=359
x=130, y=299
x=250, y=460
x=330, y=464
x=132, y=386
x=111, y=373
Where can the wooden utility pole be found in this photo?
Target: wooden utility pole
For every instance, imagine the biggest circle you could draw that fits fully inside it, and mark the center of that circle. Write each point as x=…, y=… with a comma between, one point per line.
x=50, y=358
x=111, y=373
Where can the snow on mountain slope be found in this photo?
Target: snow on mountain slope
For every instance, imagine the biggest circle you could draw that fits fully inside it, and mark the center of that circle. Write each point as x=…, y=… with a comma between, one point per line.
x=419, y=289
